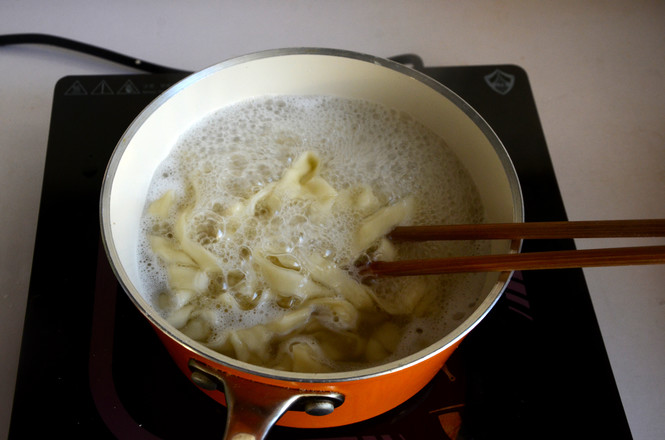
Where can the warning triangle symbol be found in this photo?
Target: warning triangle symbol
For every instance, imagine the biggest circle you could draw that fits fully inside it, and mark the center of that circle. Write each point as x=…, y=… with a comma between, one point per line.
x=129, y=88
x=102, y=88
x=76, y=89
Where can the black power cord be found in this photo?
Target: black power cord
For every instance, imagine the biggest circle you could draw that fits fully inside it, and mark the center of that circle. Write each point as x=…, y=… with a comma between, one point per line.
x=99, y=52
x=11, y=39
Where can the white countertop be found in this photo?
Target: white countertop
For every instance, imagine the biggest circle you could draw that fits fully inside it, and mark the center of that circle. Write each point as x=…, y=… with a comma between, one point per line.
x=597, y=73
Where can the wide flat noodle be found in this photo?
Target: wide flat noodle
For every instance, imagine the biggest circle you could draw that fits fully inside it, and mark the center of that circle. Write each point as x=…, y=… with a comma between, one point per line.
x=379, y=223
x=324, y=305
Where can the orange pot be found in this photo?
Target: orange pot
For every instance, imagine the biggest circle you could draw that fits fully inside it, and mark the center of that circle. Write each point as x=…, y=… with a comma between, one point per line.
x=257, y=397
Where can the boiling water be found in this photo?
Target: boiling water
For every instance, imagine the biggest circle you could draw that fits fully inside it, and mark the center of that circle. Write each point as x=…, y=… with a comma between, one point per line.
x=241, y=149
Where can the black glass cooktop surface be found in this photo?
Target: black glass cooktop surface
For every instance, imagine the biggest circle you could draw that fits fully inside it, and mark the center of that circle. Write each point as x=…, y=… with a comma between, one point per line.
x=91, y=366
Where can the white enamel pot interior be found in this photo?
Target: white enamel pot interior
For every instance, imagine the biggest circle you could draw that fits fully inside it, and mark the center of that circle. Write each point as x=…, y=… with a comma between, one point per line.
x=156, y=130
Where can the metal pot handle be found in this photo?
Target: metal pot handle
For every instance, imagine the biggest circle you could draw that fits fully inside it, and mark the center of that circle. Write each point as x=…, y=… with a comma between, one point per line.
x=254, y=407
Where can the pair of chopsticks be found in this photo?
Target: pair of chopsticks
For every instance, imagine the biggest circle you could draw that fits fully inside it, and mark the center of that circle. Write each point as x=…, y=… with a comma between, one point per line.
x=525, y=261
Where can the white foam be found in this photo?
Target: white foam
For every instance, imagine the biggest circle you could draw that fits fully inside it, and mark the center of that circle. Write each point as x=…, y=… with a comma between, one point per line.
x=242, y=148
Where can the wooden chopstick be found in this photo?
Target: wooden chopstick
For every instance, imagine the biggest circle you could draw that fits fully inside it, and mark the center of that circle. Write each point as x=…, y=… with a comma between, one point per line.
x=552, y=230
x=525, y=261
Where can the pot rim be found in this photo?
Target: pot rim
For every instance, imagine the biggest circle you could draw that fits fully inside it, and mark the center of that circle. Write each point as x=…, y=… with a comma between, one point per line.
x=158, y=321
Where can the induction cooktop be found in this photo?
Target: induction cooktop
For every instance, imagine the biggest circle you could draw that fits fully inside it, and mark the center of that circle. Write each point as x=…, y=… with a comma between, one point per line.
x=91, y=366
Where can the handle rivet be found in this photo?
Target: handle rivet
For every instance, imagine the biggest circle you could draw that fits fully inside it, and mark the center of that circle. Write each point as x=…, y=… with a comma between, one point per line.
x=319, y=407
x=202, y=380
